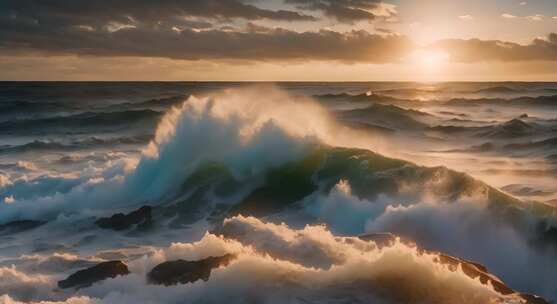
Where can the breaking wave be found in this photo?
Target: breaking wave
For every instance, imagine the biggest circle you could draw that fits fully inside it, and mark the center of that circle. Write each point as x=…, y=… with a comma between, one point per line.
x=215, y=161
x=248, y=131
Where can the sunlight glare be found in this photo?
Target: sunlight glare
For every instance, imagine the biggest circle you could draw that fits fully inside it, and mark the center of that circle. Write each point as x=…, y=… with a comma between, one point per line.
x=430, y=59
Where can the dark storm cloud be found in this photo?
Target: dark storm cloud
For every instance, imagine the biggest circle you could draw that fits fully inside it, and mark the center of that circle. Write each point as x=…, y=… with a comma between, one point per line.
x=342, y=10
x=254, y=43
x=92, y=12
x=179, y=30
x=475, y=50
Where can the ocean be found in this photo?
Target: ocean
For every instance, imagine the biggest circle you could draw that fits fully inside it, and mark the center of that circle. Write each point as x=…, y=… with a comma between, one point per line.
x=289, y=179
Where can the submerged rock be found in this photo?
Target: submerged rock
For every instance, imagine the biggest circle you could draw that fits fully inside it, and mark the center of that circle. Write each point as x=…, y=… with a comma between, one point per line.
x=120, y=221
x=182, y=272
x=476, y=271
x=87, y=277
x=533, y=299
x=19, y=226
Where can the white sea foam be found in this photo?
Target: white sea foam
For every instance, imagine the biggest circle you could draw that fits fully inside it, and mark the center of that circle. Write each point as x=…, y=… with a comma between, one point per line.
x=274, y=265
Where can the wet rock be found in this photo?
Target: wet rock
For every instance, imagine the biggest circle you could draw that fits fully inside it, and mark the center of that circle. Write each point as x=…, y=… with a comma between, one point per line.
x=120, y=221
x=87, y=277
x=475, y=271
x=19, y=226
x=533, y=299
x=182, y=272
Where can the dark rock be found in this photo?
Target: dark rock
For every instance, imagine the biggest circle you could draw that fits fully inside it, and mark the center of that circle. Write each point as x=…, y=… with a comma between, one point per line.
x=533, y=299
x=19, y=226
x=99, y=272
x=475, y=271
x=120, y=221
x=182, y=272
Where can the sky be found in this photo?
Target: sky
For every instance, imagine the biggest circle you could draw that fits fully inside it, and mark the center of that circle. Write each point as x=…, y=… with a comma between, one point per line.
x=279, y=40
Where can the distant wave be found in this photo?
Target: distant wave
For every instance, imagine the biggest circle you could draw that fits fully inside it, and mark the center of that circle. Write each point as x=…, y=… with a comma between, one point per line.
x=499, y=90
x=447, y=90
x=151, y=104
x=387, y=116
x=510, y=89
x=78, y=122
x=453, y=114
x=522, y=172
x=92, y=142
x=510, y=129
x=361, y=98
x=525, y=191
x=385, y=97
x=21, y=106
x=410, y=91
x=543, y=101
x=514, y=128
x=21, y=110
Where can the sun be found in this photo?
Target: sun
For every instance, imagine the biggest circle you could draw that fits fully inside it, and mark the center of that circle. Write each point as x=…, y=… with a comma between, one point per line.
x=430, y=59
x=430, y=64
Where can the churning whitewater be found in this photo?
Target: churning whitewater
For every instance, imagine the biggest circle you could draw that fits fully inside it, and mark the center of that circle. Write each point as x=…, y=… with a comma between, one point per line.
x=297, y=194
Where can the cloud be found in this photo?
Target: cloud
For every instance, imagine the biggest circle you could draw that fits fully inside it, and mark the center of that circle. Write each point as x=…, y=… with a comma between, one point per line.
x=250, y=43
x=475, y=50
x=61, y=13
x=523, y=3
x=508, y=16
x=537, y=17
x=348, y=10
x=193, y=30
x=466, y=17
